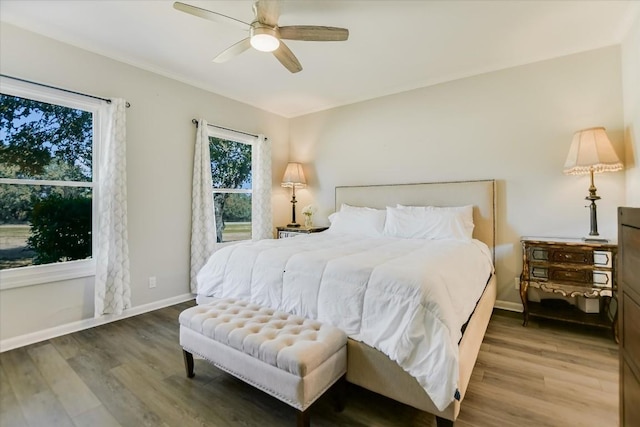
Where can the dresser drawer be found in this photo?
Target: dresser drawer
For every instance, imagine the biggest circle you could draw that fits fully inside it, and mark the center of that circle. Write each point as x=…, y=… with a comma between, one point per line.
x=588, y=277
x=570, y=275
x=571, y=256
x=558, y=274
x=561, y=256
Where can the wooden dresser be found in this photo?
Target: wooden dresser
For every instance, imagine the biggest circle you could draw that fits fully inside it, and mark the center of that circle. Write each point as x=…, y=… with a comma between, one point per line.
x=629, y=315
x=571, y=268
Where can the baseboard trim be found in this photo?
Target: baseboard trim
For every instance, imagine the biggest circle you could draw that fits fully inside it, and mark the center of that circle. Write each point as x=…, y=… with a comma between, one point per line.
x=34, y=337
x=508, y=305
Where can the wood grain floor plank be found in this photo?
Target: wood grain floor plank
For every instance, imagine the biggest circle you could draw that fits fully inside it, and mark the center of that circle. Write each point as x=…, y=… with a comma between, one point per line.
x=540, y=411
x=67, y=345
x=91, y=342
x=159, y=362
x=490, y=411
x=98, y=416
x=546, y=374
x=10, y=411
x=43, y=409
x=562, y=391
x=227, y=392
x=156, y=396
x=556, y=392
x=70, y=390
x=478, y=411
x=530, y=364
x=519, y=375
x=191, y=392
x=149, y=343
x=119, y=401
x=22, y=374
x=38, y=403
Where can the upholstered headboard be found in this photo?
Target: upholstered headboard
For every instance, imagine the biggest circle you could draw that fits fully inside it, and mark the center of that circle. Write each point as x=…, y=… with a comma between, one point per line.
x=480, y=194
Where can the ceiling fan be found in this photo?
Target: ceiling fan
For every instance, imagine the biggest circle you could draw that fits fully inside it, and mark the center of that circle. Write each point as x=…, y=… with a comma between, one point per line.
x=264, y=33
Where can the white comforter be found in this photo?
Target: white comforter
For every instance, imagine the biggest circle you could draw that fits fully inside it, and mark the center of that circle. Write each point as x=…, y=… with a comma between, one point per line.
x=407, y=298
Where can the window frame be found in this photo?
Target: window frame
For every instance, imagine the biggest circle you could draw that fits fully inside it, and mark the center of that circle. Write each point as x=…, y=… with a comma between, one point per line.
x=66, y=270
x=239, y=137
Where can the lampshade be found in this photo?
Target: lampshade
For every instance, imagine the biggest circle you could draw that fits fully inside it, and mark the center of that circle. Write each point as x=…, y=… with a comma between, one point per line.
x=293, y=176
x=591, y=150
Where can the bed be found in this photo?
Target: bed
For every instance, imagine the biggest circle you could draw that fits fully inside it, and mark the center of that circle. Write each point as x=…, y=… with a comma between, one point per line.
x=409, y=349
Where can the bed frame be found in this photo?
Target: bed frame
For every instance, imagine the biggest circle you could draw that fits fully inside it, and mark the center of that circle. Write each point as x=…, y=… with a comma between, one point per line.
x=373, y=370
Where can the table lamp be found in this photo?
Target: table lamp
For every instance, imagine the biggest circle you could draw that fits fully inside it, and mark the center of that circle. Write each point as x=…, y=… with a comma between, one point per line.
x=591, y=152
x=293, y=178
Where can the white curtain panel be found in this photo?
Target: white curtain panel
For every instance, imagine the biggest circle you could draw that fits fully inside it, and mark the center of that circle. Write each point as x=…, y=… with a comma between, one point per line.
x=261, y=215
x=112, y=290
x=203, y=219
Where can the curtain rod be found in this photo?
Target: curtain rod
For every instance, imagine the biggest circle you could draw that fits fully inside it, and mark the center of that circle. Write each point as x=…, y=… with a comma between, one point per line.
x=195, y=122
x=107, y=100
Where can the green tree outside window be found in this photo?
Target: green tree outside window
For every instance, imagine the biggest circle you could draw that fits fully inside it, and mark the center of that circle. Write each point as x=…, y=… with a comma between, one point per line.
x=42, y=222
x=231, y=176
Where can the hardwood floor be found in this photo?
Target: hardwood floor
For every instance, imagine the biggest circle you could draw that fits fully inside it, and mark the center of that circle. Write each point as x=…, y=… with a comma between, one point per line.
x=131, y=373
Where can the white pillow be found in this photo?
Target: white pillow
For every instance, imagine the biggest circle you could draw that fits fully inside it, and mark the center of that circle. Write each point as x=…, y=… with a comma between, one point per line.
x=364, y=222
x=466, y=213
x=345, y=207
x=429, y=222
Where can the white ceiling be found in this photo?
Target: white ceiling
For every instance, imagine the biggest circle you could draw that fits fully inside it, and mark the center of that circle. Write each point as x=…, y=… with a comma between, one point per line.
x=393, y=46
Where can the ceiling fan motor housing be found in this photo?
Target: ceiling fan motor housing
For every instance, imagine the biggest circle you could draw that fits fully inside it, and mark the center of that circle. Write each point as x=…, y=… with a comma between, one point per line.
x=264, y=38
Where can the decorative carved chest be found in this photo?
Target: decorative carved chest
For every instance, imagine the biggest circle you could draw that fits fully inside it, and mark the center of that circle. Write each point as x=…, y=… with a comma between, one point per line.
x=571, y=268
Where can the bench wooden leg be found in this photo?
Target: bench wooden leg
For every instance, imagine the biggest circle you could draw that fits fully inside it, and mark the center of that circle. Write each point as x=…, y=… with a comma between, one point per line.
x=188, y=363
x=340, y=394
x=443, y=422
x=303, y=419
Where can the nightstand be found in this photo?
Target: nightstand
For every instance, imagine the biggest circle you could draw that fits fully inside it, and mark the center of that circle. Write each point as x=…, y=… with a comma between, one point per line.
x=284, y=232
x=571, y=268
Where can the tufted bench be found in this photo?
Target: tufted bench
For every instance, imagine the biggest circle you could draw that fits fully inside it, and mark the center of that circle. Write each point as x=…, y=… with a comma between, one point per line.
x=289, y=357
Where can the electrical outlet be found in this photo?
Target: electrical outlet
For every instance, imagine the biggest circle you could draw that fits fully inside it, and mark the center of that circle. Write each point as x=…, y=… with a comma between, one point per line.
x=516, y=283
x=152, y=282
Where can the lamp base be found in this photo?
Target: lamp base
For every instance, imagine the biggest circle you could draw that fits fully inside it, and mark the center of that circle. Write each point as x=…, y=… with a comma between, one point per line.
x=294, y=225
x=594, y=240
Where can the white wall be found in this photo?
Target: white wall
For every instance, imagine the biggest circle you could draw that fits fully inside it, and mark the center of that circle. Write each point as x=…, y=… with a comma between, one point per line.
x=631, y=96
x=160, y=138
x=513, y=125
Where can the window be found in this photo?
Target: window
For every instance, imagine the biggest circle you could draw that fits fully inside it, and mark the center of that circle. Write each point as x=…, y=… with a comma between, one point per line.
x=231, y=173
x=47, y=173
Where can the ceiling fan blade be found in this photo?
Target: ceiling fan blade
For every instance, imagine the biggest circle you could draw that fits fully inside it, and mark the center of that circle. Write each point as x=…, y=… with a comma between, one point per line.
x=211, y=16
x=267, y=12
x=287, y=58
x=313, y=33
x=233, y=51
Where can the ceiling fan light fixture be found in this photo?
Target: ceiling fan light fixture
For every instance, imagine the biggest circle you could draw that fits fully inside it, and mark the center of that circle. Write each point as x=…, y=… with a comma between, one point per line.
x=265, y=34
x=264, y=39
